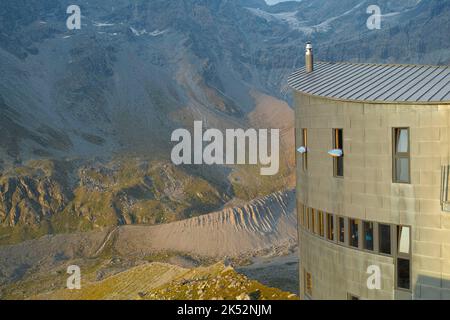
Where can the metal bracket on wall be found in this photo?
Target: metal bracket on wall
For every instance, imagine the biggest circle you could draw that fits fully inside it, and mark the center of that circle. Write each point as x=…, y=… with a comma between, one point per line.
x=445, y=203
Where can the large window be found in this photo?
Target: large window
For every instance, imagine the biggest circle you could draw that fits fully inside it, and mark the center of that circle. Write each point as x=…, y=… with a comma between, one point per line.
x=404, y=257
x=305, y=144
x=330, y=227
x=313, y=220
x=368, y=235
x=354, y=233
x=384, y=238
x=401, y=156
x=338, y=143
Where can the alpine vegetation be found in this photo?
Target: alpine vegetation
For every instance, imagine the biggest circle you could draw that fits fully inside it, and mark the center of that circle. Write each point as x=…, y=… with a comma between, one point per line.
x=241, y=147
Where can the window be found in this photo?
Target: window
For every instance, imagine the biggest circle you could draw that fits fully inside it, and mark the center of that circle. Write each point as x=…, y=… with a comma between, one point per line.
x=401, y=157
x=404, y=240
x=305, y=217
x=338, y=143
x=300, y=218
x=309, y=219
x=321, y=224
x=384, y=236
x=368, y=235
x=313, y=221
x=341, y=230
x=308, y=284
x=403, y=273
x=330, y=227
x=404, y=257
x=354, y=233
x=305, y=144
x=445, y=196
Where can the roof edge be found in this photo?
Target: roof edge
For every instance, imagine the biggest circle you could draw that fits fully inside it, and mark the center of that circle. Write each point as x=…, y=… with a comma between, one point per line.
x=386, y=64
x=424, y=103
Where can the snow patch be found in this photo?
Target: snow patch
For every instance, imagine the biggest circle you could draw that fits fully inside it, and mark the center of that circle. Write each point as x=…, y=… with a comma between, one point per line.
x=103, y=24
x=157, y=33
x=138, y=32
x=290, y=18
x=154, y=33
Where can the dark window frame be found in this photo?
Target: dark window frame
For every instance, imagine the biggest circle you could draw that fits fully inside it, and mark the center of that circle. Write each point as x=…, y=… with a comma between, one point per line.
x=313, y=220
x=364, y=241
x=338, y=162
x=305, y=217
x=305, y=144
x=358, y=233
x=331, y=232
x=391, y=239
x=402, y=256
x=341, y=222
x=321, y=223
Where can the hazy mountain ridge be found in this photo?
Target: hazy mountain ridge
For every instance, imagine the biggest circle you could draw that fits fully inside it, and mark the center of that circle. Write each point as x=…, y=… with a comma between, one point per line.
x=140, y=69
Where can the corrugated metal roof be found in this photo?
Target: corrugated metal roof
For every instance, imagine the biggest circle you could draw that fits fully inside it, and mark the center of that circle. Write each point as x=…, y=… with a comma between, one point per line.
x=384, y=83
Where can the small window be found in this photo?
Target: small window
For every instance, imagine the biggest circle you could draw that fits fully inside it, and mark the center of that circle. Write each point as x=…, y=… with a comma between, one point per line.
x=404, y=242
x=330, y=227
x=305, y=144
x=338, y=143
x=401, y=155
x=313, y=221
x=403, y=274
x=341, y=230
x=352, y=297
x=321, y=224
x=404, y=257
x=384, y=236
x=368, y=235
x=445, y=190
x=354, y=233
x=306, y=217
x=308, y=284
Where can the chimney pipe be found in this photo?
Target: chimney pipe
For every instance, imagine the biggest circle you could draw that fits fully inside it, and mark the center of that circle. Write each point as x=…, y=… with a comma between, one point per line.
x=309, y=58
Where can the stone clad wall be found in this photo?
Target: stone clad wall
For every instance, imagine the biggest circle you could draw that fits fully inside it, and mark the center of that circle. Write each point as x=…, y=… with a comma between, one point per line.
x=367, y=192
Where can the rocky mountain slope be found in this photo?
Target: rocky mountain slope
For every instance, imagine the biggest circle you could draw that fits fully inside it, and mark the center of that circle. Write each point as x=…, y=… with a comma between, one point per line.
x=234, y=232
x=161, y=281
x=264, y=226
x=62, y=196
